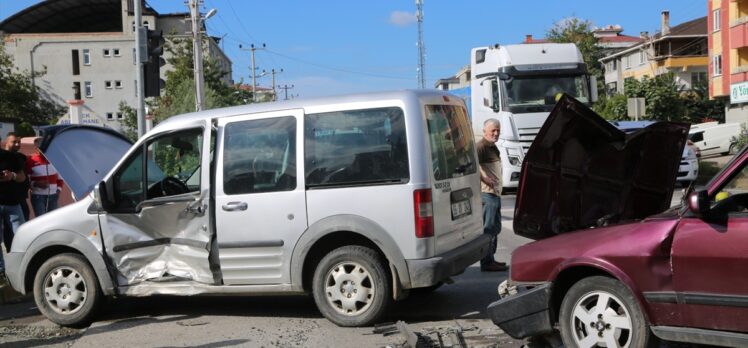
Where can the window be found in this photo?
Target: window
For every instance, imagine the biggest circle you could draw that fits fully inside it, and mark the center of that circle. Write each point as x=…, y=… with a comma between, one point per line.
x=86, y=57
x=696, y=137
x=452, y=146
x=118, y=84
x=356, y=147
x=134, y=61
x=260, y=156
x=172, y=163
x=717, y=65
x=116, y=52
x=733, y=197
x=698, y=78
x=716, y=20
x=109, y=115
x=119, y=116
x=108, y=84
x=627, y=62
x=76, y=62
x=642, y=57
x=107, y=53
x=88, y=89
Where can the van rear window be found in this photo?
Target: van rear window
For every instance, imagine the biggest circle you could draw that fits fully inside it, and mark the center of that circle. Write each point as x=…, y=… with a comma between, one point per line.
x=356, y=147
x=452, y=144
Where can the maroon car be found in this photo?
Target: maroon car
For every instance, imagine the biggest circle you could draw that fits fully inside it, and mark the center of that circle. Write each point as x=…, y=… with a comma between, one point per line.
x=616, y=267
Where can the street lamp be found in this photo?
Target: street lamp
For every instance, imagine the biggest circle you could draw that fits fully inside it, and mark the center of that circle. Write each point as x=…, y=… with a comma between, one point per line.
x=197, y=47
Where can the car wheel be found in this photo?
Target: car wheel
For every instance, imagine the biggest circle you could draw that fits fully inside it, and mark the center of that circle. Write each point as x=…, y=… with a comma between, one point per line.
x=66, y=290
x=733, y=149
x=351, y=286
x=602, y=312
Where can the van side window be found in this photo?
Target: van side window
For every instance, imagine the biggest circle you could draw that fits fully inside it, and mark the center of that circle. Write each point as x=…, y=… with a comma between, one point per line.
x=128, y=183
x=696, y=137
x=356, y=147
x=260, y=156
x=452, y=146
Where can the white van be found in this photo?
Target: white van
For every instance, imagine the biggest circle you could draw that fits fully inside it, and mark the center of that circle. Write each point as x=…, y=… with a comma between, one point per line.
x=713, y=138
x=354, y=199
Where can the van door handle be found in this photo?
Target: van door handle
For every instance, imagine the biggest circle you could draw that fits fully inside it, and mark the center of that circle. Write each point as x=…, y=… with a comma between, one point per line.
x=235, y=206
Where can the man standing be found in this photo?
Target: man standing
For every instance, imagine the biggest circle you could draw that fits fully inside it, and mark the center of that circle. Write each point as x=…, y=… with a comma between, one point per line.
x=11, y=173
x=490, y=187
x=13, y=145
x=46, y=184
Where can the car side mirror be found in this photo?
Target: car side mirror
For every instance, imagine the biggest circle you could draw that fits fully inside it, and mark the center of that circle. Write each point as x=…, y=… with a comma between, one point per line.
x=698, y=202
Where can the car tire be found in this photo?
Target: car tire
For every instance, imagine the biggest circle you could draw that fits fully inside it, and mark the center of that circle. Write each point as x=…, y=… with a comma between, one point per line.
x=362, y=287
x=602, y=310
x=733, y=150
x=67, y=291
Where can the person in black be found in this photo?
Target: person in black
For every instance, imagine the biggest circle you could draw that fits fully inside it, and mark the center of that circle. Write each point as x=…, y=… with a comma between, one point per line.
x=13, y=144
x=11, y=173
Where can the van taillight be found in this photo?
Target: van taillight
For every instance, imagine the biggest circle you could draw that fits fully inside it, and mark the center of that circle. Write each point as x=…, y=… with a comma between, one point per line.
x=423, y=211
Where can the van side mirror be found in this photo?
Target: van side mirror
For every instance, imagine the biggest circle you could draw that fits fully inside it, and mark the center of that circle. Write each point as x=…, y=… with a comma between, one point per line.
x=593, y=88
x=102, y=196
x=698, y=202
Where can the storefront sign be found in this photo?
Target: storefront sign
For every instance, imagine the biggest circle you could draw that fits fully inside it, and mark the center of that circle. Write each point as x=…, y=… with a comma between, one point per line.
x=739, y=93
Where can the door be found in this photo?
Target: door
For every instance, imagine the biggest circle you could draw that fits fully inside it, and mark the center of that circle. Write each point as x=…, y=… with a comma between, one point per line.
x=710, y=261
x=260, y=197
x=156, y=226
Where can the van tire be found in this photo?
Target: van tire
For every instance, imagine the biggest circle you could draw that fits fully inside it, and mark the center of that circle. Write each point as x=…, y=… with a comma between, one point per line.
x=733, y=149
x=363, y=290
x=67, y=291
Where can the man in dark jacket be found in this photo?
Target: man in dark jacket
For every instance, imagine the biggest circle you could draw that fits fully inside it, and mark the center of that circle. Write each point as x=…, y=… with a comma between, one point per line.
x=11, y=173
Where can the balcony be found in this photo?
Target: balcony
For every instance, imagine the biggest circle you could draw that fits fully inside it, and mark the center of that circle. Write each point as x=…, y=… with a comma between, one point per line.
x=739, y=34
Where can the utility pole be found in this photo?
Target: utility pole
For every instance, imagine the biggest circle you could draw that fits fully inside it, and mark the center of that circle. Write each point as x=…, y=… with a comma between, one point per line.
x=252, y=50
x=197, y=48
x=421, y=47
x=272, y=71
x=285, y=89
x=141, y=57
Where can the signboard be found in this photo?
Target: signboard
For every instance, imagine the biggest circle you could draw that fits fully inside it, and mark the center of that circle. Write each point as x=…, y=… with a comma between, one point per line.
x=636, y=108
x=739, y=93
x=85, y=118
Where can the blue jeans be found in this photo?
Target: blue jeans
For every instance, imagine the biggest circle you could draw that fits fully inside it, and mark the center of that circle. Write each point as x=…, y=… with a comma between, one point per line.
x=43, y=203
x=14, y=216
x=491, y=223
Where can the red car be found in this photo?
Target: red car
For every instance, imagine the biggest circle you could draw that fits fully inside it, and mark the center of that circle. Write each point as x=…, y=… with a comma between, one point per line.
x=616, y=267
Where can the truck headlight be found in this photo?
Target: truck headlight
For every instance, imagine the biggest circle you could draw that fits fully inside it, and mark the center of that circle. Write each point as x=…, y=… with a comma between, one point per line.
x=513, y=160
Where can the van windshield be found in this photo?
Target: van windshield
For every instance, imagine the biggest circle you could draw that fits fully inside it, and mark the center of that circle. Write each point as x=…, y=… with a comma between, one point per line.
x=451, y=140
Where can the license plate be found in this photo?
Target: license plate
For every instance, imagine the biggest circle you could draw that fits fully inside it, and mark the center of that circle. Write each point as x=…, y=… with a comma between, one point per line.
x=460, y=209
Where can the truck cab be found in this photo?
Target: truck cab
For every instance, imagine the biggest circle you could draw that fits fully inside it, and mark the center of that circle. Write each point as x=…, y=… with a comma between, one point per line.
x=519, y=85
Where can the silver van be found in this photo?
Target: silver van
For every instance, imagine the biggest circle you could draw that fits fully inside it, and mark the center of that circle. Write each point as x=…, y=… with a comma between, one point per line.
x=355, y=199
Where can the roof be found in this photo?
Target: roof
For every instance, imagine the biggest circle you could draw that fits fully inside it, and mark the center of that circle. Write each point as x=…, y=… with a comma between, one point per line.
x=620, y=38
x=69, y=16
x=693, y=28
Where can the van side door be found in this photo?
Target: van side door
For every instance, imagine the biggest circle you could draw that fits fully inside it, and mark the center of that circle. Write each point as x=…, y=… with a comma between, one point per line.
x=260, y=197
x=157, y=226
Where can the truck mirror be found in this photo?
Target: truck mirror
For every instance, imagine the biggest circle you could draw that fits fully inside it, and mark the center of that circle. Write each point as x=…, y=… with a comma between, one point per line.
x=593, y=88
x=491, y=93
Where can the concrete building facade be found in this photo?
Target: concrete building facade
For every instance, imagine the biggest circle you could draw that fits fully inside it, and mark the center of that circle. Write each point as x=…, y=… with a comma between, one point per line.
x=681, y=49
x=728, y=56
x=89, y=53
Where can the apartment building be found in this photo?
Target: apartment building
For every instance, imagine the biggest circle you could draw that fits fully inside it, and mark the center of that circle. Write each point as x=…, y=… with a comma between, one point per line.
x=728, y=56
x=681, y=49
x=87, y=50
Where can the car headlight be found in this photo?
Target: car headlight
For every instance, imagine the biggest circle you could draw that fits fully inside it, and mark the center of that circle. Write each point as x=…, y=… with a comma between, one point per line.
x=513, y=160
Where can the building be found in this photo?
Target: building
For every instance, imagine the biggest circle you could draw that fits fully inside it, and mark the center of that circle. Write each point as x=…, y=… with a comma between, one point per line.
x=728, y=56
x=87, y=49
x=681, y=49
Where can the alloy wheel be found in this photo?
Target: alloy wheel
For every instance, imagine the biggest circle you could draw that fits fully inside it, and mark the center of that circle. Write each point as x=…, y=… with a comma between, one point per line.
x=349, y=289
x=65, y=290
x=600, y=319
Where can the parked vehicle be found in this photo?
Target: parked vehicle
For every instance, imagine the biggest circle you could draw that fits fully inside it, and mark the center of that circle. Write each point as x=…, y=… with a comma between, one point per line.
x=713, y=138
x=688, y=170
x=354, y=199
x=615, y=267
x=519, y=85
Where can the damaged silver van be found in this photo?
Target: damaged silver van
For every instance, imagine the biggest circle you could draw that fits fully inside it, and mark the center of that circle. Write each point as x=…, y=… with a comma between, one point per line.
x=354, y=199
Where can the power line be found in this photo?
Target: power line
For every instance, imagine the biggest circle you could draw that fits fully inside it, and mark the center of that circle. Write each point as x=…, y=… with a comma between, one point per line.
x=338, y=69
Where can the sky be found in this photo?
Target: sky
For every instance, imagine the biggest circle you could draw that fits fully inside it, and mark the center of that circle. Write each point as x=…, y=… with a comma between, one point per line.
x=342, y=46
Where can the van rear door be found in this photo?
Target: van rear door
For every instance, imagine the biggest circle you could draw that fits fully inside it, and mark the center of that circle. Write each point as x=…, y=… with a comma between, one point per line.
x=456, y=184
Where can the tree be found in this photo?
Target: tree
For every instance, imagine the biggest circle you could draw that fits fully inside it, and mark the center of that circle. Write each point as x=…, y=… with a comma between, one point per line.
x=20, y=99
x=579, y=32
x=613, y=107
x=699, y=107
x=662, y=96
x=129, y=124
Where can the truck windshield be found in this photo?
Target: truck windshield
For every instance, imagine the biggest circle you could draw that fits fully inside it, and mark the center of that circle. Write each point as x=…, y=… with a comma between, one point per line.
x=539, y=93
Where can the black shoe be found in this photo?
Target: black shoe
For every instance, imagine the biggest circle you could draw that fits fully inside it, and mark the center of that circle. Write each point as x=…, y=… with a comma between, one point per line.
x=494, y=267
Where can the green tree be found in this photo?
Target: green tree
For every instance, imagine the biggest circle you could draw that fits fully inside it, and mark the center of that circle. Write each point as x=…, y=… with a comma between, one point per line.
x=578, y=31
x=20, y=99
x=129, y=122
x=613, y=107
x=662, y=96
x=699, y=107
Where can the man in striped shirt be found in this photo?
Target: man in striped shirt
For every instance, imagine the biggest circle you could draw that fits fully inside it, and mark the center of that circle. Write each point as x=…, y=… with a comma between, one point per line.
x=46, y=184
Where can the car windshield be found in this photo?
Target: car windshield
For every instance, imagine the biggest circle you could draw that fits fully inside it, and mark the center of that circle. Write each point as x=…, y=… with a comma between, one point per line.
x=524, y=94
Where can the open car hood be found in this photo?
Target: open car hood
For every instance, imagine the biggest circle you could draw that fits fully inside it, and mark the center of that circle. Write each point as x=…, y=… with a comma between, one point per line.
x=583, y=172
x=82, y=154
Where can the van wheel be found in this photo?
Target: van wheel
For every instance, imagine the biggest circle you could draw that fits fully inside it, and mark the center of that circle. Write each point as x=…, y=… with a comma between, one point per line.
x=733, y=149
x=66, y=290
x=601, y=311
x=351, y=286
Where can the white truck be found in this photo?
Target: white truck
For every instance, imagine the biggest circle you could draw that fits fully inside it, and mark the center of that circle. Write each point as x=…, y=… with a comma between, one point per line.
x=519, y=85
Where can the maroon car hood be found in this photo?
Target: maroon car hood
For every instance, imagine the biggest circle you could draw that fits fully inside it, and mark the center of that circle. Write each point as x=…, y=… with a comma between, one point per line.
x=581, y=172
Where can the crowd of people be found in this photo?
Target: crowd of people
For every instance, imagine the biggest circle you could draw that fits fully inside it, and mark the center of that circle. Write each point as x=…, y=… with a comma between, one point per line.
x=21, y=175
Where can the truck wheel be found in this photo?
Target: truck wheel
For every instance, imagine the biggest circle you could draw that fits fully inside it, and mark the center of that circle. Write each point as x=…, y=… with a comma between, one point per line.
x=601, y=311
x=66, y=290
x=351, y=286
